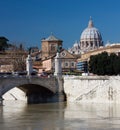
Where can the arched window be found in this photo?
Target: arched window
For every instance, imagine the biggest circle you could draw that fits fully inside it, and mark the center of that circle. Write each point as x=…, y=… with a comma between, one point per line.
x=91, y=44
x=87, y=44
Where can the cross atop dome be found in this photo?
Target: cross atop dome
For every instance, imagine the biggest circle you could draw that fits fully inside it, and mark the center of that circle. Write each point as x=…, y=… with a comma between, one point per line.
x=90, y=24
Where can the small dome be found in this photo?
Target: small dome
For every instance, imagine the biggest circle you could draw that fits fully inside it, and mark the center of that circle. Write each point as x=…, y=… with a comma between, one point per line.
x=90, y=38
x=75, y=49
x=76, y=44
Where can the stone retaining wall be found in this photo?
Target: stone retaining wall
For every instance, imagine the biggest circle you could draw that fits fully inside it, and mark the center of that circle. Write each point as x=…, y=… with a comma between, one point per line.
x=96, y=89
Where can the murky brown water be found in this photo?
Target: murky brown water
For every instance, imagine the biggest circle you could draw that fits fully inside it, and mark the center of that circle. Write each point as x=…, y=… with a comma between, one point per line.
x=17, y=115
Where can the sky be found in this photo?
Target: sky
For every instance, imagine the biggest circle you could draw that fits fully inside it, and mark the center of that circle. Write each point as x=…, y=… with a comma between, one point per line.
x=28, y=21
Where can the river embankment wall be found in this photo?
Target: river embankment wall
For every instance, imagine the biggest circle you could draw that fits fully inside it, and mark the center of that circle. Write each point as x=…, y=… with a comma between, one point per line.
x=95, y=89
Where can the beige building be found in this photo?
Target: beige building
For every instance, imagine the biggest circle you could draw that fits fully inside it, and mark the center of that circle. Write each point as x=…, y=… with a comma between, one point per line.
x=68, y=62
x=113, y=48
x=12, y=60
x=49, y=48
x=6, y=68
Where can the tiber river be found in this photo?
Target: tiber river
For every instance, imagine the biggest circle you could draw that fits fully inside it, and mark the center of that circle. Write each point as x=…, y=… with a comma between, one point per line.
x=17, y=115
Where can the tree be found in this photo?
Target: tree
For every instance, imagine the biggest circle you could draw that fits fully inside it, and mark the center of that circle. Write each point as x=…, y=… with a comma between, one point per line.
x=97, y=63
x=116, y=65
x=19, y=64
x=3, y=43
x=104, y=64
x=18, y=55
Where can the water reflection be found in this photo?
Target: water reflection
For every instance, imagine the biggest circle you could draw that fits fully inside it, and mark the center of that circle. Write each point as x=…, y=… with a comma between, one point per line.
x=16, y=115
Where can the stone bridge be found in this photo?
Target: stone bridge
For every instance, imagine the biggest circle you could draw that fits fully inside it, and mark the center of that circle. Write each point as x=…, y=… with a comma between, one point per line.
x=37, y=89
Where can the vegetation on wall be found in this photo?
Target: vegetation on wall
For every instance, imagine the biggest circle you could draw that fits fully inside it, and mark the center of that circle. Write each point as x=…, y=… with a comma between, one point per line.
x=104, y=64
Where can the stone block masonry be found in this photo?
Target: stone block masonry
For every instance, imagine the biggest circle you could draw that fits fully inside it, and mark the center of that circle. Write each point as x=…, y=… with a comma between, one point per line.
x=95, y=89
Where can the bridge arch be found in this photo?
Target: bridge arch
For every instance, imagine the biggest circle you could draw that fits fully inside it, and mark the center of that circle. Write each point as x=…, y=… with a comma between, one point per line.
x=7, y=84
x=37, y=89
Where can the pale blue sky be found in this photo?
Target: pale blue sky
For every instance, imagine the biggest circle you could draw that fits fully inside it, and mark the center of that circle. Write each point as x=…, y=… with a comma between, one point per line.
x=28, y=21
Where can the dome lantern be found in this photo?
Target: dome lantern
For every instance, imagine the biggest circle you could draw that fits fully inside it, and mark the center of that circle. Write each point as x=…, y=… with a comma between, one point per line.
x=90, y=24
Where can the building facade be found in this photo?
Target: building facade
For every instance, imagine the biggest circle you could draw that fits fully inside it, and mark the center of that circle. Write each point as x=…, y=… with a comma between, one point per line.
x=49, y=46
x=68, y=62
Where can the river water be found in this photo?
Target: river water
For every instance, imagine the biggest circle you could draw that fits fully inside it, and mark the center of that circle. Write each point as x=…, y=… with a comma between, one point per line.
x=18, y=115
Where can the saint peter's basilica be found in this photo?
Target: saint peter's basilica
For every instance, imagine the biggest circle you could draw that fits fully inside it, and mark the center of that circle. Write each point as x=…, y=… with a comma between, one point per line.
x=91, y=43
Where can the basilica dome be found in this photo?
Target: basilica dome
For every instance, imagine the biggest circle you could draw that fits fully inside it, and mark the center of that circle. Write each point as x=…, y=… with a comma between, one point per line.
x=90, y=38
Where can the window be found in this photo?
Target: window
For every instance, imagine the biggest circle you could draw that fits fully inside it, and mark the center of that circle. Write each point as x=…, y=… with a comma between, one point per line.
x=87, y=44
x=72, y=64
x=91, y=44
x=66, y=64
x=53, y=47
